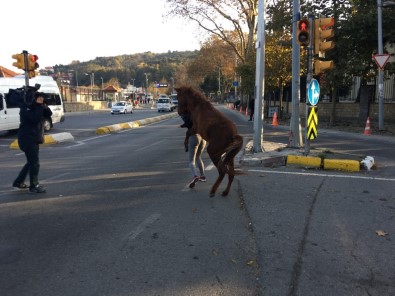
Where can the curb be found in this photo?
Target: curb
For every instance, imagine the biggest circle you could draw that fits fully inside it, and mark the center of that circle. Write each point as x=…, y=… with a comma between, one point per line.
x=277, y=154
x=305, y=161
x=49, y=139
x=133, y=124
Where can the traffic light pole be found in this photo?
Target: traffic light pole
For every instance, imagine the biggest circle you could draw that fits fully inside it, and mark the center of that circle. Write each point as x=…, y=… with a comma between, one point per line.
x=25, y=57
x=295, y=133
x=308, y=80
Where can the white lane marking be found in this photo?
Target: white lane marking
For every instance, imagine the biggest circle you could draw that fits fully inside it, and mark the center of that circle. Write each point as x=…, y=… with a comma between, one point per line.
x=56, y=177
x=142, y=226
x=153, y=144
x=324, y=175
x=79, y=143
x=210, y=167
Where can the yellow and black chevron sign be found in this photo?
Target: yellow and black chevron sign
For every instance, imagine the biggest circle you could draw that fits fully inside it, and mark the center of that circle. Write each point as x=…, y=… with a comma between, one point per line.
x=312, y=123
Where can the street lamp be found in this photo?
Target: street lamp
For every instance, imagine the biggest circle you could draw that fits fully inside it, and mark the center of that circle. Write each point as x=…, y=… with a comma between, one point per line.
x=92, y=76
x=146, y=83
x=380, y=78
x=102, y=89
x=133, y=89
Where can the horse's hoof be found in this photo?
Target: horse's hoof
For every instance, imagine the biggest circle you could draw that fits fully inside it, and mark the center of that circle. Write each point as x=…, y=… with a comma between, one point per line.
x=225, y=193
x=212, y=194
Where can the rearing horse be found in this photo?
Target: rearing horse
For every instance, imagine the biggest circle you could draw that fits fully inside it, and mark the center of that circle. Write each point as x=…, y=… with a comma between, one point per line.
x=221, y=134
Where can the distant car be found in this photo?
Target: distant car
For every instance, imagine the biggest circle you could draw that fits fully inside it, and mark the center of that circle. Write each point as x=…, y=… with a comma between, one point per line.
x=122, y=107
x=174, y=101
x=164, y=104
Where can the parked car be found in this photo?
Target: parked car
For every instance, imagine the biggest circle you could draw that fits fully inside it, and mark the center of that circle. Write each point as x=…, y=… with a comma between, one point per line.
x=122, y=107
x=164, y=104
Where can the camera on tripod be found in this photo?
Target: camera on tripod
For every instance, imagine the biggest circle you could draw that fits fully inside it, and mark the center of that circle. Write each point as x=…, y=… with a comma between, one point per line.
x=23, y=96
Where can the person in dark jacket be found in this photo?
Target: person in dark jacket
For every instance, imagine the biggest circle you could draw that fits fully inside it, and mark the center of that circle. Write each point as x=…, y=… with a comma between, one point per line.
x=194, y=144
x=251, y=105
x=30, y=135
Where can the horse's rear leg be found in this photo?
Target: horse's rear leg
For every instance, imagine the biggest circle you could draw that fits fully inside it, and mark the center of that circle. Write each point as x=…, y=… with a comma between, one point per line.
x=221, y=172
x=231, y=176
x=217, y=182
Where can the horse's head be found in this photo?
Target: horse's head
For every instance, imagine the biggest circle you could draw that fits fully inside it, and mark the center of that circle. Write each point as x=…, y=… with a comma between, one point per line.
x=183, y=93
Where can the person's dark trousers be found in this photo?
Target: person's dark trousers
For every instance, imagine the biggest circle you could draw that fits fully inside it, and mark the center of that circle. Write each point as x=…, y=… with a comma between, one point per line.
x=32, y=166
x=251, y=114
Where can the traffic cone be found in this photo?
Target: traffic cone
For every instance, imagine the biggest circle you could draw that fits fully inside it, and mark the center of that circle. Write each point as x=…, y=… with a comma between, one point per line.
x=275, y=123
x=367, y=128
x=241, y=109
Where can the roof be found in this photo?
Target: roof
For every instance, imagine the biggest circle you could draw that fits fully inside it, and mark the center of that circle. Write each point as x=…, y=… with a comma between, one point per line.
x=110, y=88
x=4, y=72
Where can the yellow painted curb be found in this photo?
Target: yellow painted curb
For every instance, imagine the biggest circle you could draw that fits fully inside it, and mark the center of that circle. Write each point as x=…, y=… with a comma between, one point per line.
x=14, y=145
x=342, y=164
x=48, y=139
x=102, y=130
x=304, y=160
x=117, y=127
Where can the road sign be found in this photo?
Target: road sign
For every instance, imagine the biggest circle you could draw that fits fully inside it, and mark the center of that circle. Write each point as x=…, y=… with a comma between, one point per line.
x=235, y=83
x=312, y=123
x=313, y=92
x=381, y=60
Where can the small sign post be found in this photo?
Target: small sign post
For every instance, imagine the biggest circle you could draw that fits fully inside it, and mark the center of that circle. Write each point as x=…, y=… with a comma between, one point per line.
x=381, y=60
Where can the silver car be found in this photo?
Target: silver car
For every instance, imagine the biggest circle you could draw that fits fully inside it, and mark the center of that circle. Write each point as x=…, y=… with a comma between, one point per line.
x=122, y=107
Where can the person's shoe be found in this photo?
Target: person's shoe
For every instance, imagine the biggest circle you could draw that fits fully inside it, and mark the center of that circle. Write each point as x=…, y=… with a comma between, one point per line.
x=20, y=185
x=202, y=179
x=193, y=182
x=37, y=189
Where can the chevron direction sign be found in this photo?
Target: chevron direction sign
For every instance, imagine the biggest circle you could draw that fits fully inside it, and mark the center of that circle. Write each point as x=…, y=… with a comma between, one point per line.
x=312, y=123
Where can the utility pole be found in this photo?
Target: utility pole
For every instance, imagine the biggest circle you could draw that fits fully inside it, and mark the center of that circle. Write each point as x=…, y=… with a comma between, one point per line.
x=380, y=77
x=259, y=80
x=295, y=136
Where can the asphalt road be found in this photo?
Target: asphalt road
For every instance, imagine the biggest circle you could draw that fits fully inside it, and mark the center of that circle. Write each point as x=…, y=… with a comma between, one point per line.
x=118, y=219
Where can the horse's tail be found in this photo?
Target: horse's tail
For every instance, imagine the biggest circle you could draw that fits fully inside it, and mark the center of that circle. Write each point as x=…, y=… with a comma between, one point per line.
x=230, y=152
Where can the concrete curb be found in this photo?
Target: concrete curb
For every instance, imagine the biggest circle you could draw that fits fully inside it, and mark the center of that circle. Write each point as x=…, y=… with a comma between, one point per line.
x=278, y=154
x=49, y=139
x=133, y=124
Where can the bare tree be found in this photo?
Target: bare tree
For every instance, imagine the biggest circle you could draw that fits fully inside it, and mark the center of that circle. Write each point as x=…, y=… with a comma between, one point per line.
x=222, y=18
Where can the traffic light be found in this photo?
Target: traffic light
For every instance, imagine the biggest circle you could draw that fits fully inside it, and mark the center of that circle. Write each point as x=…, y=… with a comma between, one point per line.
x=303, y=32
x=20, y=61
x=322, y=32
x=32, y=65
x=321, y=66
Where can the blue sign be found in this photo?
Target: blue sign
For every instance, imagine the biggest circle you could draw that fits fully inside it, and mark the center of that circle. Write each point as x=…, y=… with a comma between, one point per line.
x=235, y=83
x=313, y=92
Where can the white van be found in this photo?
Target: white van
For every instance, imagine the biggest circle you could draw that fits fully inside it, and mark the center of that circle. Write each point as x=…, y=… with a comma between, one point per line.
x=9, y=114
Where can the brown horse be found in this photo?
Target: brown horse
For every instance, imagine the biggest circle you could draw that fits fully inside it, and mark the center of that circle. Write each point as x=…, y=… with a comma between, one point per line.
x=221, y=134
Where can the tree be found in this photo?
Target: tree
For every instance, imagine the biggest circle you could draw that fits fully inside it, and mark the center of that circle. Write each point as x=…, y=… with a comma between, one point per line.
x=215, y=59
x=233, y=21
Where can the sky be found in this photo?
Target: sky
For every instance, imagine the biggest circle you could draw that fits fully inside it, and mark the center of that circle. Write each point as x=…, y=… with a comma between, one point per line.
x=60, y=32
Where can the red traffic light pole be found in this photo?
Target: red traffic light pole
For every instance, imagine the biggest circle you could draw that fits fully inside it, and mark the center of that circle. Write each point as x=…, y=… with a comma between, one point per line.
x=308, y=80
